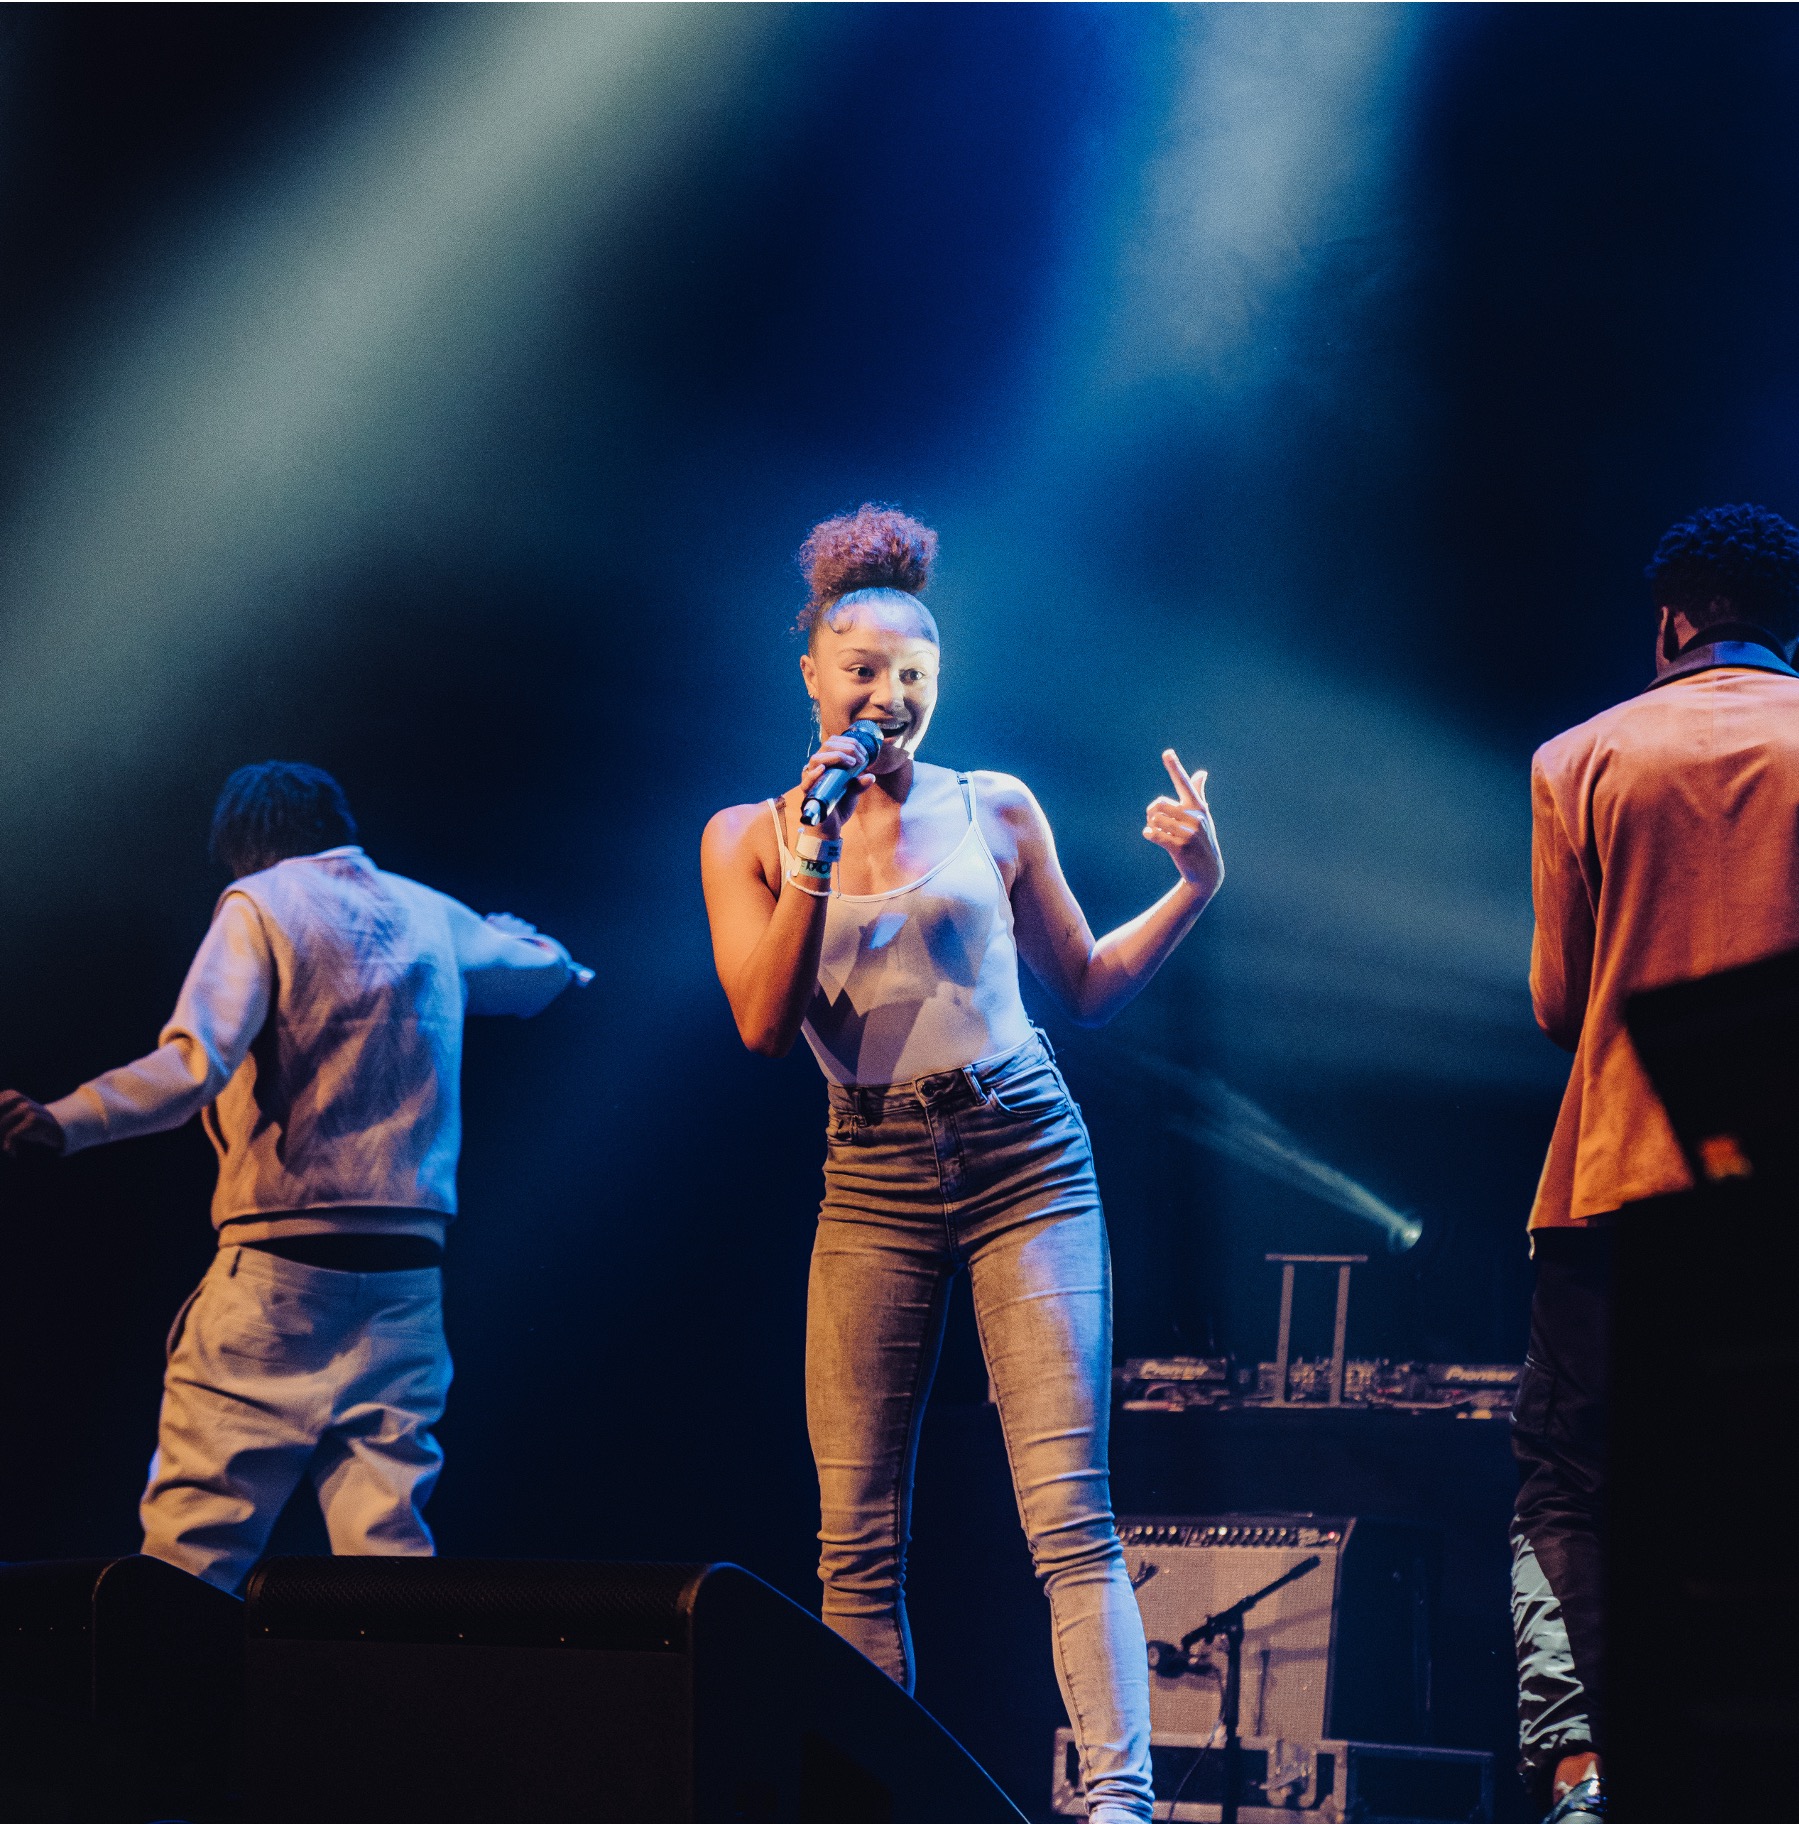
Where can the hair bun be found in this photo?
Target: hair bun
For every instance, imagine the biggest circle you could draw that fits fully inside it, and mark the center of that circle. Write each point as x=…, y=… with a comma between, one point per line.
x=873, y=548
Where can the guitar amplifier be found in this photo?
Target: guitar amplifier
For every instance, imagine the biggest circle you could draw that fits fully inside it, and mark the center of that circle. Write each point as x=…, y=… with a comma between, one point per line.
x=1342, y=1653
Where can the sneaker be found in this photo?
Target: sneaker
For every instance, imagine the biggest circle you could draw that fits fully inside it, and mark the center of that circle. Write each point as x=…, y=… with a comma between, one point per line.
x=1582, y=1804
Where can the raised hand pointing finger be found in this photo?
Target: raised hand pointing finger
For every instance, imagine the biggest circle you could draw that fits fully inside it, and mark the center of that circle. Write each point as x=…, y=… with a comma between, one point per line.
x=1183, y=827
x=1191, y=788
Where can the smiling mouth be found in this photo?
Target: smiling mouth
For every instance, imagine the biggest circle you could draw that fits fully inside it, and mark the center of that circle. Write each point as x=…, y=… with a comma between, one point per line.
x=892, y=731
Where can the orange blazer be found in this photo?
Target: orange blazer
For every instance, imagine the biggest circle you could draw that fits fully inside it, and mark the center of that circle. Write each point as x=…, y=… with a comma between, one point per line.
x=1664, y=845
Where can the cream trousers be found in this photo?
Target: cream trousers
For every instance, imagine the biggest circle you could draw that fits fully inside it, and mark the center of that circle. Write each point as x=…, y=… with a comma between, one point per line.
x=278, y=1372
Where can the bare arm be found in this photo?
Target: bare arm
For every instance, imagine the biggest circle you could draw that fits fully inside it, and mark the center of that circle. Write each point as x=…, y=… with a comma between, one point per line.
x=767, y=932
x=1093, y=981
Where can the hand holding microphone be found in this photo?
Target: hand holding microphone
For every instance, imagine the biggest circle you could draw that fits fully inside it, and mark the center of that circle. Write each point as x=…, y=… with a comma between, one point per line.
x=840, y=763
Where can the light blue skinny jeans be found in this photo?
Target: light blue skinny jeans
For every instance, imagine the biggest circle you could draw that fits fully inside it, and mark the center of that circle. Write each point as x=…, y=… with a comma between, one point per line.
x=987, y=1168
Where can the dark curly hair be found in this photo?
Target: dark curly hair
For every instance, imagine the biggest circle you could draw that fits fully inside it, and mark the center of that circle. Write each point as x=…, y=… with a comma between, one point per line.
x=1730, y=564
x=875, y=547
x=274, y=810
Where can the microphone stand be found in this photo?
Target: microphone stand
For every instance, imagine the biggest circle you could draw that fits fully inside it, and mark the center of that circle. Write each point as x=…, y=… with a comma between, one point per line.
x=1228, y=1625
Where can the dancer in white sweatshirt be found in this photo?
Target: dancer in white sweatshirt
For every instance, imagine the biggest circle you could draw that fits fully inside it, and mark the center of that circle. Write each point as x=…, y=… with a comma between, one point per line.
x=319, y=1032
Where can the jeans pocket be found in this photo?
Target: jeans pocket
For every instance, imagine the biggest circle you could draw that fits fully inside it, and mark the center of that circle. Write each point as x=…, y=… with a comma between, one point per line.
x=1034, y=1094
x=841, y=1127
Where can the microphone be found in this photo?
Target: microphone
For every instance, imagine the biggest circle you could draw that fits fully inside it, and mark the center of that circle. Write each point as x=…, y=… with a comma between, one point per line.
x=1166, y=1660
x=839, y=779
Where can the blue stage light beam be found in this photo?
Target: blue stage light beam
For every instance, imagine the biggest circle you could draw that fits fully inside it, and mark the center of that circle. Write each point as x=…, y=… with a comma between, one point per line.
x=1236, y=285
x=1227, y=1122
x=1375, y=918
x=1249, y=142
x=306, y=371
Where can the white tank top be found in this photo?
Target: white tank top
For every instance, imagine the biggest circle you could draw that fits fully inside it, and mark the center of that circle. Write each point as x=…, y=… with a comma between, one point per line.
x=921, y=978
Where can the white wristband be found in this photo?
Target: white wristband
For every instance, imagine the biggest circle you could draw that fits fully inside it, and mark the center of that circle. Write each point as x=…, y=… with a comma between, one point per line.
x=810, y=846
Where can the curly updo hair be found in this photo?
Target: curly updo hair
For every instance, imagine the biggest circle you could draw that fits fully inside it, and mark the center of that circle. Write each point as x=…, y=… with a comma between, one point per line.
x=1736, y=563
x=876, y=547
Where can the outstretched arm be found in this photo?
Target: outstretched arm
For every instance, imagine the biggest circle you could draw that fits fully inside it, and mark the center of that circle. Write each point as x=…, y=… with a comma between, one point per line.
x=223, y=1004
x=1091, y=980
x=508, y=965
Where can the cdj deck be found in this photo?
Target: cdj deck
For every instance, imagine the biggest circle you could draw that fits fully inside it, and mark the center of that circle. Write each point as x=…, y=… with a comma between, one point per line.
x=1176, y=1383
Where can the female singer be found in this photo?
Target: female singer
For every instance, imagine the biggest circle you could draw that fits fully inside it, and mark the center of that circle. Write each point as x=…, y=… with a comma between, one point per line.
x=890, y=936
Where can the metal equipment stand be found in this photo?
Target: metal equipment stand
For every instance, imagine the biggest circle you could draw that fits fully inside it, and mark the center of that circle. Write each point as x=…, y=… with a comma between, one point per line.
x=1283, y=1350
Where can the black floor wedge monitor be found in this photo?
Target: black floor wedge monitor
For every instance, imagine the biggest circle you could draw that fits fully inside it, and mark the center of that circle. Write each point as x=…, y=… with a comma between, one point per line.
x=465, y=1692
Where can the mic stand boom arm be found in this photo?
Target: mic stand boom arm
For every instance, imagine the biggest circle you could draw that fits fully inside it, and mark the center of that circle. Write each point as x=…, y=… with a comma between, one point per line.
x=1228, y=1625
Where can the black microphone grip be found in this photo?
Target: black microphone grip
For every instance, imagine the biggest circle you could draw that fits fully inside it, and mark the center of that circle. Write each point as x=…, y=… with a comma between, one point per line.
x=839, y=779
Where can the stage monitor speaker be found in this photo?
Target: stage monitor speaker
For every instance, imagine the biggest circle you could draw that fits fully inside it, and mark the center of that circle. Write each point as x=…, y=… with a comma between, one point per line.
x=472, y=1692
x=119, y=1691
x=1344, y=1652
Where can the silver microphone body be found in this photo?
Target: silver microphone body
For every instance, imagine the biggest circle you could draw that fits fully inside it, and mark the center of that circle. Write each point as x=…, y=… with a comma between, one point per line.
x=839, y=779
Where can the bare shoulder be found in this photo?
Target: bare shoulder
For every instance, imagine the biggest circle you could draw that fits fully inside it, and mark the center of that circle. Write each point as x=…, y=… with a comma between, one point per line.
x=1010, y=801
x=1017, y=831
x=738, y=833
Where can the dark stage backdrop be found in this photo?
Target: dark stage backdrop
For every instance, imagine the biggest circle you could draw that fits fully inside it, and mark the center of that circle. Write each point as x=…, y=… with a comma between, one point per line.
x=439, y=396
